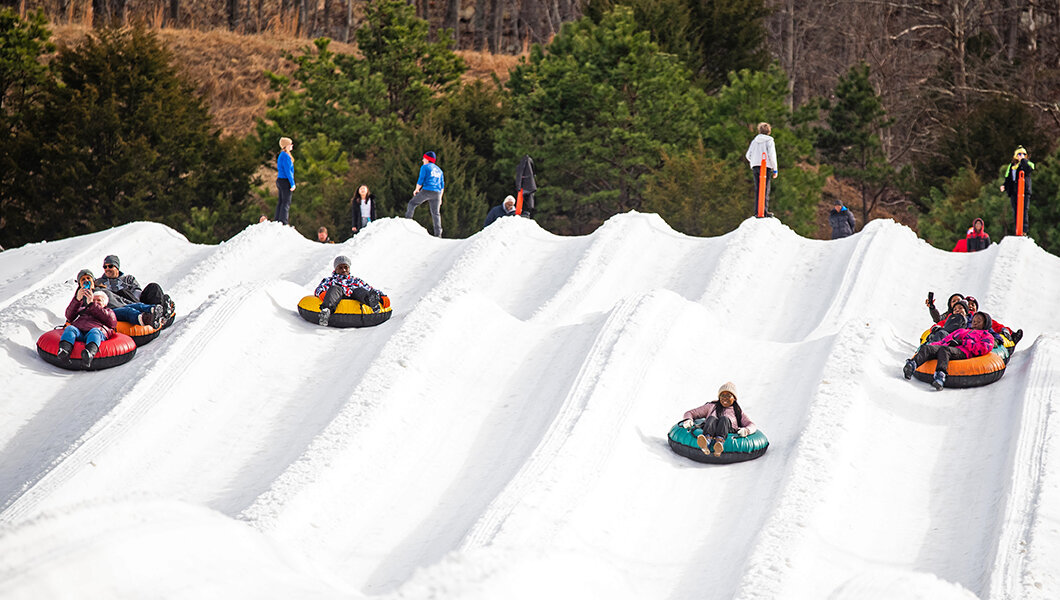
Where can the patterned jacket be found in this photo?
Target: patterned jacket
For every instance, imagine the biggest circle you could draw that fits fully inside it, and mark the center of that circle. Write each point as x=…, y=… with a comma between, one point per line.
x=346, y=282
x=971, y=342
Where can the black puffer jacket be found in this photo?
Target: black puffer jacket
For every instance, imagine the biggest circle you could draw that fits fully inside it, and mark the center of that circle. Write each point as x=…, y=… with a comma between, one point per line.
x=842, y=222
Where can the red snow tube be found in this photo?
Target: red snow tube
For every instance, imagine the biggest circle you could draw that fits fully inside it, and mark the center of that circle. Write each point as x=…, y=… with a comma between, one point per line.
x=116, y=350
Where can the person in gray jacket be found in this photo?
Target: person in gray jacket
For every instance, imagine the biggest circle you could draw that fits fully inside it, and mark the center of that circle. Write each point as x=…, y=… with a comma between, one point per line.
x=126, y=296
x=841, y=220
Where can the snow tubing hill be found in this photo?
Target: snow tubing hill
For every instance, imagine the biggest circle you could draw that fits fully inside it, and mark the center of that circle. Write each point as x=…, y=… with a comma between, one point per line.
x=349, y=313
x=116, y=350
x=737, y=449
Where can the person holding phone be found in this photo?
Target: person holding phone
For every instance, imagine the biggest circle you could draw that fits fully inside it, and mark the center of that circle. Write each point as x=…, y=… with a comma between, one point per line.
x=90, y=321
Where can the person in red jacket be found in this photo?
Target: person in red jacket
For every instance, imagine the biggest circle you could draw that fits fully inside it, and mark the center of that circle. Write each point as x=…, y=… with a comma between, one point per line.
x=963, y=343
x=723, y=417
x=90, y=321
x=977, y=239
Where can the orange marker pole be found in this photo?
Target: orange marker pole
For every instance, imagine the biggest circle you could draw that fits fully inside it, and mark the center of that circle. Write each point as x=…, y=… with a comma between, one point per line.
x=761, y=212
x=519, y=202
x=1019, y=205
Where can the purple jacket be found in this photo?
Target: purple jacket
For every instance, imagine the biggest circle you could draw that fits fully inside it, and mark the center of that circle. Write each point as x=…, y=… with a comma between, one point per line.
x=971, y=342
x=707, y=409
x=346, y=282
x=85, y=318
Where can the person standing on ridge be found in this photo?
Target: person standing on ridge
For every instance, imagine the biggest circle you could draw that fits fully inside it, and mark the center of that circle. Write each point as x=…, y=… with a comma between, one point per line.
x=1019, y=164
x=429, y=188
x=841, y=220
x=284, y=180
x=763, y=142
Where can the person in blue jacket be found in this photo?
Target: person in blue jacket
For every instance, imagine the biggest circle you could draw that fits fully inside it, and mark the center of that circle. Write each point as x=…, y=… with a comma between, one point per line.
x=504, y=209
x=284, y=180
x=429, y=188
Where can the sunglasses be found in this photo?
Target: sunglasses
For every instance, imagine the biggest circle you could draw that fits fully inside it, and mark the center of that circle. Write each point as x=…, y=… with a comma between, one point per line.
x=110, y=266
x=1021, y=154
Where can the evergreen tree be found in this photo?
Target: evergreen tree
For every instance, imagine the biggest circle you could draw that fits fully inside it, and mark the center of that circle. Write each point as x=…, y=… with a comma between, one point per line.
x=732, y=116
x=597, y=108
x=962, y=199
x=851, y=143
x=23, y=78
x=396, y=45
x=336, y=95
x=712, y=37
x=122, y=137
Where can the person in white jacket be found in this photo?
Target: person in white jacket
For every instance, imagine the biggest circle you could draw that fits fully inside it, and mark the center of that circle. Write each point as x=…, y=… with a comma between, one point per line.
x=763, y=143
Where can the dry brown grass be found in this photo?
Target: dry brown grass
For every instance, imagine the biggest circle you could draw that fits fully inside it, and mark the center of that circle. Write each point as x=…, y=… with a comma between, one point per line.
x=228, y=68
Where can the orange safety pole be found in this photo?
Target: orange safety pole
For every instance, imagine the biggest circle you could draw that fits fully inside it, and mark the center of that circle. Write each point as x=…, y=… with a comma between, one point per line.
x=519, y=202
x=1019, y=205
x=761, y=212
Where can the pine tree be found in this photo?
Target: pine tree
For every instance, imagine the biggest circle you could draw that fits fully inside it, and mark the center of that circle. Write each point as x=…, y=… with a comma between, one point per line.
x=597, y=108
x=851, y=143
x=124, y=138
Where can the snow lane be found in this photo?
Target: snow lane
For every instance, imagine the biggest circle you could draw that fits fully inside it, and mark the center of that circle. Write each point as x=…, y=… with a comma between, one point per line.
x=1021, y=551
x=504, y=432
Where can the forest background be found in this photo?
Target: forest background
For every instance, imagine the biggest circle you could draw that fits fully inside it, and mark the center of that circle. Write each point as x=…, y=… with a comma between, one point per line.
x=170, y=110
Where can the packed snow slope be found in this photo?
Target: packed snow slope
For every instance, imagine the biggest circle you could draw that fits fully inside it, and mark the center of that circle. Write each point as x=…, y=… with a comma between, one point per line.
x=504, y=434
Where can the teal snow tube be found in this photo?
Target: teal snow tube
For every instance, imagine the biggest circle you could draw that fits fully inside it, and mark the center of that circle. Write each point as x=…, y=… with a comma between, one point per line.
x=737, y=449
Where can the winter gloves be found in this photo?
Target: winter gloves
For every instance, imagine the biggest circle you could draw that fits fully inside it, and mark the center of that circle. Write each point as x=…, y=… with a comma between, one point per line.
x=688, y=423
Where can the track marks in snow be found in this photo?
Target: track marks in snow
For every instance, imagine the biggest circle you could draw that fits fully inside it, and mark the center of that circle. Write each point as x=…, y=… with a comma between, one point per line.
x=138, y=396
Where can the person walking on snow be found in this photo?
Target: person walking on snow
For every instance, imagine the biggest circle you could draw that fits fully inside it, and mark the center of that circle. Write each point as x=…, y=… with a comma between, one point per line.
x=841, y=220
x=763, y=142
x=284, y=180
x=723, y=417
x=429, y=188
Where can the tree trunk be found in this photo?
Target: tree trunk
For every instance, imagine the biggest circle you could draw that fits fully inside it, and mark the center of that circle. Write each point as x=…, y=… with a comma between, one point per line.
x=452, y=20
x=478, y=26
x=174, y=13
x=349, y=21
x=326, y=25
x=233, y=15
x=789, y=52
x=301, y=27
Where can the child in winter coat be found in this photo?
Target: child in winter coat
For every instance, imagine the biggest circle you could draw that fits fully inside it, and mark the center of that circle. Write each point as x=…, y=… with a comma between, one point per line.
x=340, y=284
x=723, y=417
x=962, y=343
x=935, y=316
x=997, y=327
x=90, y=321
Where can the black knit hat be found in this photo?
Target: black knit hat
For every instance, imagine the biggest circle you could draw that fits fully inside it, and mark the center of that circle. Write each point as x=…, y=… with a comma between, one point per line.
x=112, y=259
x=961, y=303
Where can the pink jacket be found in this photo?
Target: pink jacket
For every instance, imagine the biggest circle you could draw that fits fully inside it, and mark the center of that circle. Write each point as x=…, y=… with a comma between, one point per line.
x=87, y=317
x=971, y=342
x=702, y=412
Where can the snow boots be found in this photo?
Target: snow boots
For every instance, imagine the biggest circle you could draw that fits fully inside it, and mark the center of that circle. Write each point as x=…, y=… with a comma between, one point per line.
x=1016, y=337
x=907, y=370
x=64, y=351
x=939, y=381
x=88, y=354
x=325, y=316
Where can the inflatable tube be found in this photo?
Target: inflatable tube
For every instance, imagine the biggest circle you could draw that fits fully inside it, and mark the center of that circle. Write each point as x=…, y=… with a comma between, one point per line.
x=968, y=372
x=349, y=313
x=737, y=449
x=141, y=334
x=116, y=350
